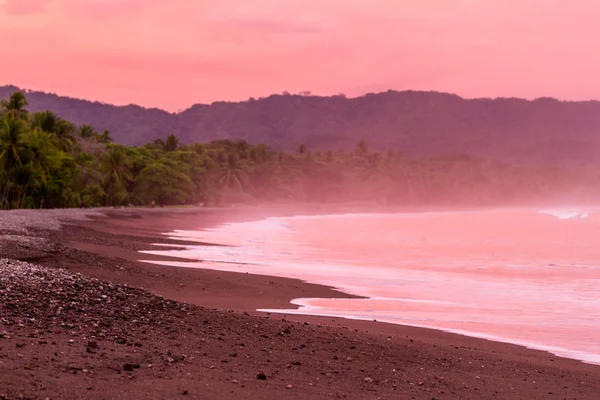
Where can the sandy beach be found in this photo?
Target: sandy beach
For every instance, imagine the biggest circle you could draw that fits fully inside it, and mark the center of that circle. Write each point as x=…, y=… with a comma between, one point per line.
x=80, y=317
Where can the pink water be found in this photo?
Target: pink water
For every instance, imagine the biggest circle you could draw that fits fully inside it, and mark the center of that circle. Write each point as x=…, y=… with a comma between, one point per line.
x=520, y=276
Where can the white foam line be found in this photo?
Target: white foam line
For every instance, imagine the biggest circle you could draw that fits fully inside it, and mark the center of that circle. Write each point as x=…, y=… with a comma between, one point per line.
x=303, y=301
x=589, y=358
x=562, y=213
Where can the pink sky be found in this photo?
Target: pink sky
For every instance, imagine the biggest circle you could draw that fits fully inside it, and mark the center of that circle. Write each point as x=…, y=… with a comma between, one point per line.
x=172, y=54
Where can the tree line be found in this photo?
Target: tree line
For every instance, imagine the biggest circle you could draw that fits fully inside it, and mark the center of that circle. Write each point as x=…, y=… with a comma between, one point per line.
x=48, y=162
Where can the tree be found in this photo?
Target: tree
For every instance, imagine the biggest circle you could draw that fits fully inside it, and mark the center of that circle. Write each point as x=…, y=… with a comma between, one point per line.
x=243, y=148
x=14, y=107
x=171, y=143
x=13, y=149
x=86, y=131
x=44, y=162
x=233, y=175
x=62, y=130
x=161, y=181
x=302, y=149
x=12, y=143
x=260, y=154
x=116, y=167
x=158, y=143
x=361, y=148
x=105, y=138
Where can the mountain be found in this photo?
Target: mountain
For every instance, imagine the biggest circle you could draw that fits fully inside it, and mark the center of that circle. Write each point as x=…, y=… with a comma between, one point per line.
x=543, y=131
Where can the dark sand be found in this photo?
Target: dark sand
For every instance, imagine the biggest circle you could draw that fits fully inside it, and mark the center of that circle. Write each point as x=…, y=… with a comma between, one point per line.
x=215, y=345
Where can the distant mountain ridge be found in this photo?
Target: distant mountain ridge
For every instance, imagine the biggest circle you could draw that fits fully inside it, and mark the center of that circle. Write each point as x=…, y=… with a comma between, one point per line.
x=416, y=123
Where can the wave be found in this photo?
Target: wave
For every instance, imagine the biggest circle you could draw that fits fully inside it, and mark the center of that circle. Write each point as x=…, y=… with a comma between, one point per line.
x=564, y=213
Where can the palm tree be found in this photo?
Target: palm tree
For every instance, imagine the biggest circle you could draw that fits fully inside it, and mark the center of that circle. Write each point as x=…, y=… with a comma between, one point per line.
x=45, y=155
x=14, y=107
x=86, y=131
x=171, y=143
x=105, y=137
x=116, y=167
x=13, y=149
x=62, y=130
x=42, y=162
x=233, y=175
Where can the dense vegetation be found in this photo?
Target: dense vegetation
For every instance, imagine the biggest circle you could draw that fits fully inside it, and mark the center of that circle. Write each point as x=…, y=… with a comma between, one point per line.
x=541, y=132
x=46, y=161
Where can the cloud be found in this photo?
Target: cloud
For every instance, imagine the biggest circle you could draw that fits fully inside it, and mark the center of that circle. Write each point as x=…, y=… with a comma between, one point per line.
x=24, y=7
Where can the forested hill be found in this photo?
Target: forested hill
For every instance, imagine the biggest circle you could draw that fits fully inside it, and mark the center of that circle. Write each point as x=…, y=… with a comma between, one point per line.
x=47, y=162
x=416, y=123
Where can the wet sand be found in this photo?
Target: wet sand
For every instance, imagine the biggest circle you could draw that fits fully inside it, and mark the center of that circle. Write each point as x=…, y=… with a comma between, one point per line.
x=226, y=343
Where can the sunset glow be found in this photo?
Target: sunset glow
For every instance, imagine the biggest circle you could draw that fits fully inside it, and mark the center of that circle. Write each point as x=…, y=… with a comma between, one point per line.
x=174, y=54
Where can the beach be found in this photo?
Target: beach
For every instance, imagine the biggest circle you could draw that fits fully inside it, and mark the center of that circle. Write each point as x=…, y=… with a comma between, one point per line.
x=128, y=329
x=526, y=276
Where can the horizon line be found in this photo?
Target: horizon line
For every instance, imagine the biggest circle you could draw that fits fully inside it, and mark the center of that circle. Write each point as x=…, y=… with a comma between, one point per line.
x=306, y=93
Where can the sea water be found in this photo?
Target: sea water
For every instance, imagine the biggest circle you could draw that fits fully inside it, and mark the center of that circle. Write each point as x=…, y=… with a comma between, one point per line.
x=529, y=277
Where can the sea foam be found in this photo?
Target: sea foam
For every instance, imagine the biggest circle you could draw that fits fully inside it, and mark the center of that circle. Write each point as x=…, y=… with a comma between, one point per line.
x=564, y=213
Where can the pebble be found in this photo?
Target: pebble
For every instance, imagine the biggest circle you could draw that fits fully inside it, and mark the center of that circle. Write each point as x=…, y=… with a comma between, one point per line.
x=130, y=366
x=22, y=221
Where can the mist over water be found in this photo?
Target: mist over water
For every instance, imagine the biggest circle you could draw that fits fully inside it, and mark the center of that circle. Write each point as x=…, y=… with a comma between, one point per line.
x=524, y=276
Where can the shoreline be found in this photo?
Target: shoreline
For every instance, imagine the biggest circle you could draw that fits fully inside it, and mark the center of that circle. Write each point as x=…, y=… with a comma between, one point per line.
x=552, y=350
x=105, y=244
x=338, y=292
x=298, y=303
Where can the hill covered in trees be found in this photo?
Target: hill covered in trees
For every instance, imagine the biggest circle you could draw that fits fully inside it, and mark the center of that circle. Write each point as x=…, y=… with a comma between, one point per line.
x=540, y=132
x=47, y=161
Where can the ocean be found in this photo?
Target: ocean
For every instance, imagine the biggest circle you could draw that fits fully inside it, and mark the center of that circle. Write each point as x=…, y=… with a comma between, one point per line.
x=524, y=276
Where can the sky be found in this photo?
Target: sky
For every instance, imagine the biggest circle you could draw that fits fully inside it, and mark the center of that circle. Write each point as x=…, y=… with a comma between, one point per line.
x=172, y=54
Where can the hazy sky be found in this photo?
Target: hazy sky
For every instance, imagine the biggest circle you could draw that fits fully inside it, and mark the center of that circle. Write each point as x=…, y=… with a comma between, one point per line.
x=174, y=53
